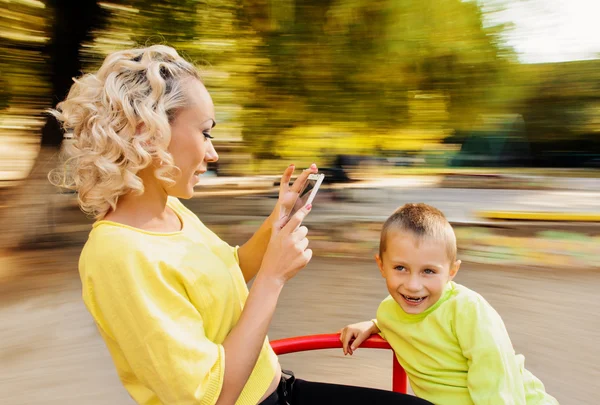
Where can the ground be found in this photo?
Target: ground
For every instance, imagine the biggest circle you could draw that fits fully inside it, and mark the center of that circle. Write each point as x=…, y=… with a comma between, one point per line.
x=52, y=354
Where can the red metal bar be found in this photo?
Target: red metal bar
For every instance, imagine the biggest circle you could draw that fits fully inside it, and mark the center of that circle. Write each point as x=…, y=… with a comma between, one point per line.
x=332, y=341
x=399, y=378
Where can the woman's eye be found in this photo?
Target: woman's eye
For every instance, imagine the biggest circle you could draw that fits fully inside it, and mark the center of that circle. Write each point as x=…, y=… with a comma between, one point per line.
x=207, y=135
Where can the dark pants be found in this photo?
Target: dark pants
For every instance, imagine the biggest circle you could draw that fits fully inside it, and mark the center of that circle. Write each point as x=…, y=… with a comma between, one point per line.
x=293, y=391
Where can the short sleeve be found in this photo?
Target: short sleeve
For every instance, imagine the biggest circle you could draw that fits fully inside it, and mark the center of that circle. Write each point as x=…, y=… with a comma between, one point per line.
x=234, y=250
x=377, y=324
x=161, y=334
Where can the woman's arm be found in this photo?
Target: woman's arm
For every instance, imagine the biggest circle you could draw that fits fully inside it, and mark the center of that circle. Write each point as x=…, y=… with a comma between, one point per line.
x=251, y=253
x=244, y=342
x=161, y=334
x=287, y=253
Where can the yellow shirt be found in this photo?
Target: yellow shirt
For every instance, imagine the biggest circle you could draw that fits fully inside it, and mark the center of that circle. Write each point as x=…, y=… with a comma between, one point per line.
x=458, y=352
x=164, y=303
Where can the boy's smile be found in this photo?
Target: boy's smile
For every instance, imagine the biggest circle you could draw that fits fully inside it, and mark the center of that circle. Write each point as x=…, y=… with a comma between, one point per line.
x=414, y=300
x=416, y=270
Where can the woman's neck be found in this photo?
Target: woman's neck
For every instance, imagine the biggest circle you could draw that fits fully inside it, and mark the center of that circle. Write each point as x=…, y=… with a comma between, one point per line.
x=148, y=210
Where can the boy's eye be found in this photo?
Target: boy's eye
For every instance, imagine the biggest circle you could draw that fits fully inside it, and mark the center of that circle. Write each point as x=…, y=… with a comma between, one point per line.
x=399, y=268
x=207, y=135
x=429, y=271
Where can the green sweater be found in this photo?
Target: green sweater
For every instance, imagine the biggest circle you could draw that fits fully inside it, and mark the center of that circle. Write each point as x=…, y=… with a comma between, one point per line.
x=458, y=352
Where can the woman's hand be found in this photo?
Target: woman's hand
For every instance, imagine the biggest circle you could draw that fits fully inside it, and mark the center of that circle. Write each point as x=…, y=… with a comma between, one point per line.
x=289, y=194
x=251, y=253
x=287, y=252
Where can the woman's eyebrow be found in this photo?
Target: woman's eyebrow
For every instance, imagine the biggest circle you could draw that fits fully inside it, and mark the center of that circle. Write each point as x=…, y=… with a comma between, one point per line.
x=214, y=123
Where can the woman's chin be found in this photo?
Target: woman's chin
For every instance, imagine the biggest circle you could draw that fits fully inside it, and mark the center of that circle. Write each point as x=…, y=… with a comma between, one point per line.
x=184, y=193
x=188, y=193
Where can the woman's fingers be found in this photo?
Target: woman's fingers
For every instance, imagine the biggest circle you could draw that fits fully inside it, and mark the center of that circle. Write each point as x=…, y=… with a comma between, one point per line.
x=303, y=244
x=299, y=183
x=286, y=177
x=300, y=233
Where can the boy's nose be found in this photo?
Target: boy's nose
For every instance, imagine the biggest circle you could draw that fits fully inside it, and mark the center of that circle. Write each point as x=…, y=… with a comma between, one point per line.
x=414, y=284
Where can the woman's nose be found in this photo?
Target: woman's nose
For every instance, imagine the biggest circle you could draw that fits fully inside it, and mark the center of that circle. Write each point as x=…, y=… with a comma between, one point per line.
x=211, y=153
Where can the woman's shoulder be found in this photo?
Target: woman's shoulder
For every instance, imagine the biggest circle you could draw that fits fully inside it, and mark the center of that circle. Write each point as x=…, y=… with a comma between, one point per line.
x=111, y=249
x=180, y=208
x=105, y=238
x=109, y=237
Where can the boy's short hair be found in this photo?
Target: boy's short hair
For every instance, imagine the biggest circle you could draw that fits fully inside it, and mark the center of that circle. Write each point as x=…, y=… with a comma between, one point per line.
x=424, y=221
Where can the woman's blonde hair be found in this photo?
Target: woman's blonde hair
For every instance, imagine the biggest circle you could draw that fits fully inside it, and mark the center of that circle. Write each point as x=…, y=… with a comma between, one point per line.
x=118, y=120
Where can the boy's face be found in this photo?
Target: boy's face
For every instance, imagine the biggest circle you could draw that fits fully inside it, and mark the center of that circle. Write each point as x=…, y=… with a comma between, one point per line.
x=416, y=271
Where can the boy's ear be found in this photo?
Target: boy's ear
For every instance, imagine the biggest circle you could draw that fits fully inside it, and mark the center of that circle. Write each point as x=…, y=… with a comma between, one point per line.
x=380, y=265
x=454, y=268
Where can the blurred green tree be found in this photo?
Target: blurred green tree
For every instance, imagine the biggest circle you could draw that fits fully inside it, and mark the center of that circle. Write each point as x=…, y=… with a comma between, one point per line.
x=561, y=109
x=358, y=61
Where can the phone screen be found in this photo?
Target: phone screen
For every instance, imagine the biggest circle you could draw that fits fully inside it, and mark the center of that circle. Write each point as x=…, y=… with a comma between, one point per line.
x=308, y=192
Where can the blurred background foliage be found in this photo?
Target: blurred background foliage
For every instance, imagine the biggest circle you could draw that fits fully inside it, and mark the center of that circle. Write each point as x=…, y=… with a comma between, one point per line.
x=433, y=100
x=312, y=79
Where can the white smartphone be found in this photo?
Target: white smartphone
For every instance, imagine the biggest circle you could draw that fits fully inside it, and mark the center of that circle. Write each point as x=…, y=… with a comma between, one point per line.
x=308, y=192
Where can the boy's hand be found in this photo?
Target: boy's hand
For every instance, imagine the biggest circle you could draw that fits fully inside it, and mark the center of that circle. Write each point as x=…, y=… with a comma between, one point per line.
x=353, y=335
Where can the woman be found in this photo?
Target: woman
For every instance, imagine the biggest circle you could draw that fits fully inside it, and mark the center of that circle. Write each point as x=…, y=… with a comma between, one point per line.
x=168, y=296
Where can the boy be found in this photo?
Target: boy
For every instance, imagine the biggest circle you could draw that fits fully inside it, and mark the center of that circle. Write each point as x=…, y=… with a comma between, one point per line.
x=451, y=342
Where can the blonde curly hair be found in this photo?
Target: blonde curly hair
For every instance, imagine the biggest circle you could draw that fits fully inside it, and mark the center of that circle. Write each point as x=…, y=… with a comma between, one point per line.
x=118, y=121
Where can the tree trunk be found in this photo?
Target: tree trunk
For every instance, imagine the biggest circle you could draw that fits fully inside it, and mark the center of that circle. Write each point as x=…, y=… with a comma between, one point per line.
x=28, y=217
